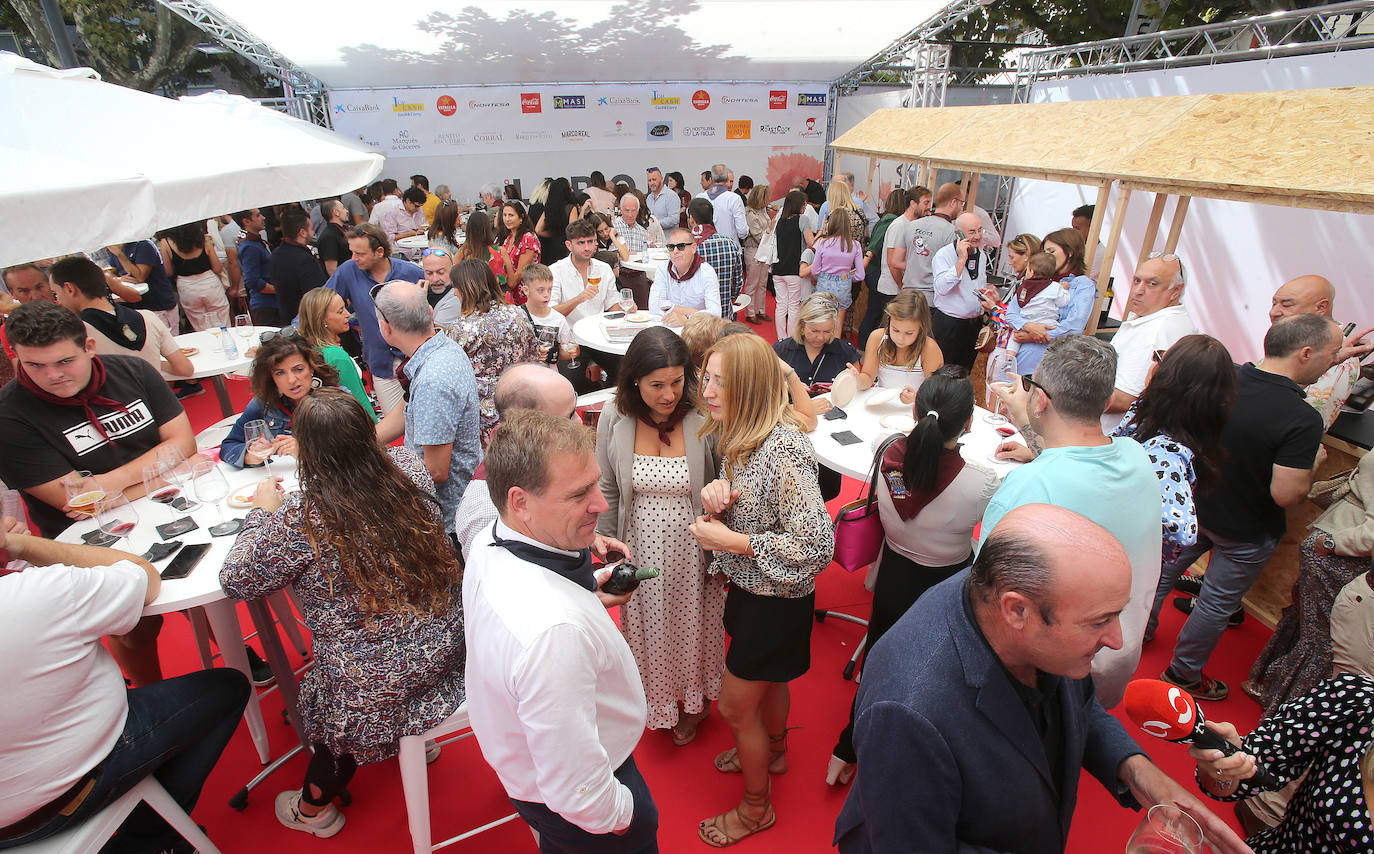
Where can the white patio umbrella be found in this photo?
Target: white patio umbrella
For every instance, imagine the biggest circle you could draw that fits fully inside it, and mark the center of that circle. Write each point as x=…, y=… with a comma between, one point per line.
x=85, y=164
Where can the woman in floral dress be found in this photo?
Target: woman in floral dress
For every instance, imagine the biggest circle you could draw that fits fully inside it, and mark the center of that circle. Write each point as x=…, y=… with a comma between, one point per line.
x=379, y=587
x=517, y=245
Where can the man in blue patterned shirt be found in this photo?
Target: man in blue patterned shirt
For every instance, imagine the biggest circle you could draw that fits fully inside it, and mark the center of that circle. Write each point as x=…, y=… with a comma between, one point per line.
x=721, y=252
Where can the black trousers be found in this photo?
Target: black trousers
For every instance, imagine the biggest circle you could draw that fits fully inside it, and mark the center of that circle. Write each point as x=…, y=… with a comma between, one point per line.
x=957, y=337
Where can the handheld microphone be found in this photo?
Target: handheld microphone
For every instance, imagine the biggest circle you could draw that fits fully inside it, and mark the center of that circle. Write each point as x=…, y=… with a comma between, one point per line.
x=1168, y=712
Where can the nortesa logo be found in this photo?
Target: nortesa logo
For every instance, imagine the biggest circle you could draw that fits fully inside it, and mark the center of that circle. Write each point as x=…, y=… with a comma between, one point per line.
x=479, y=105
x=701, y=99
x=446, y=105
x=737, y=129
x=569, y=102
x=777, y=100
x=811, y=99
x=529, y=102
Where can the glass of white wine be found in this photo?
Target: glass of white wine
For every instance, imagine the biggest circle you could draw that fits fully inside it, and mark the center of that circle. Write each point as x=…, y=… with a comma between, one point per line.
x=627, y=300
x=1166, y=829
x=212, y=488
x=175, y=469
x=548, y=338
x=243, y=327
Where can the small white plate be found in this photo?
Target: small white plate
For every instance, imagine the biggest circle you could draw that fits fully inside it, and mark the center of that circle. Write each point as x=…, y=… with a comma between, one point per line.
x=242, y=497
x=884, y=397
x=189, y=351
x=639, y=317
x=903, y=423
x=842, y=389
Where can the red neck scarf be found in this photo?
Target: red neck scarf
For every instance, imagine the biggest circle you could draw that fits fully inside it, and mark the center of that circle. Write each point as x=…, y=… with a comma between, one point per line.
x=86, y=398
x=665, y=428
x=701, y=232
x=1029, y=289
x=911, y=504
x=691, y=271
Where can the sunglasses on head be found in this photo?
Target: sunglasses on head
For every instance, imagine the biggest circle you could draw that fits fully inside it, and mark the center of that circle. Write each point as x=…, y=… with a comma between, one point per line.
x=1158, y=356
x=1027, y=383
x=675, y=247
x=434, y=251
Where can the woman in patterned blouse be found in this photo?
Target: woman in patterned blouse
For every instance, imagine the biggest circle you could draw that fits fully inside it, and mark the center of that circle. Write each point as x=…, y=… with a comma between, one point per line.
x=494, y=333
x=771, y=536
x=517, y=245
x=379, y=587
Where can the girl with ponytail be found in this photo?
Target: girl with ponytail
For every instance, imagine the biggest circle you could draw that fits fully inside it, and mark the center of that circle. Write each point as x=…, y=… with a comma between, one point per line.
x=930, y=499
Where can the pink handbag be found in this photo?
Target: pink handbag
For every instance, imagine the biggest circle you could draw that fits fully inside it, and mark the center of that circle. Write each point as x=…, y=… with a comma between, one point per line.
x=858, y=527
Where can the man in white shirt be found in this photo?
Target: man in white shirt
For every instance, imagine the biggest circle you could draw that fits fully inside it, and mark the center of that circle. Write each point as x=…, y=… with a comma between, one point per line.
x=582, y=285
x=1155, y=319
x=729, y=218
x=73, y=738
x=664, y=204
x=553, y=690
x=959, y=271
x=390, y=200
x=407, y=220
x=684, y=281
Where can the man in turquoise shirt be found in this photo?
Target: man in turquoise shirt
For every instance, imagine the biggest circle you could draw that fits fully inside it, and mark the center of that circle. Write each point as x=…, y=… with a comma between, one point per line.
x=1109, y=481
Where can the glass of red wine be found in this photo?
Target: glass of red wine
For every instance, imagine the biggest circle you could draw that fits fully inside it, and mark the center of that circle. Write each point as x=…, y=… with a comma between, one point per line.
x=116, y=516
x=158, y=488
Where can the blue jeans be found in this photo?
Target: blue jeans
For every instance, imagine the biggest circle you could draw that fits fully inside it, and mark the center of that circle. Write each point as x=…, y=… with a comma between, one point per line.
x=1234, y=566
x=557, y=835
x=176, y=731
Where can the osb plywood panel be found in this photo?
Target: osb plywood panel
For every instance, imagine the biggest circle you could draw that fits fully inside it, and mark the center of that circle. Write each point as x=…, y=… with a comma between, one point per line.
x=900, y=134
x=1312, y=145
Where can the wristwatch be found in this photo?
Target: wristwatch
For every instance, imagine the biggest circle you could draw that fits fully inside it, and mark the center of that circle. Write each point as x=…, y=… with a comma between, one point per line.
x=1329, y=543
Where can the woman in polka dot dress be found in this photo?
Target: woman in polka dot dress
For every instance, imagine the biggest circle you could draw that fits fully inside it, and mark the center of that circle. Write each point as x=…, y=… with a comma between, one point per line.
x=653, y=466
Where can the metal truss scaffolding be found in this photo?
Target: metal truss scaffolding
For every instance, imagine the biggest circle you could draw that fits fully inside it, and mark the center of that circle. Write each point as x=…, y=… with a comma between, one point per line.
x=303, y=94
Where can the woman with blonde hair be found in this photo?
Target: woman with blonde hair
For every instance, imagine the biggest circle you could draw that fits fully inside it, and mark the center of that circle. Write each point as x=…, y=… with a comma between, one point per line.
x=1001, y=360
x=901, y=352
x=771, y=536
x=756, y=216
x=1067, y=247
x=323, y=317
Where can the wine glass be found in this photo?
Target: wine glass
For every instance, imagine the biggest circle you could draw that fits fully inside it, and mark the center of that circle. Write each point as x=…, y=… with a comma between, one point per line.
x=176, y=470
x=84, y=492
x=548, y=337
x=243, y=326
x=665, y=308
x=157, y=488
x=257, y=431
x=116, y=516
x=594, y=279
x=1166, y=829
x=568, y=349
x=627, y=300
x=212, y=488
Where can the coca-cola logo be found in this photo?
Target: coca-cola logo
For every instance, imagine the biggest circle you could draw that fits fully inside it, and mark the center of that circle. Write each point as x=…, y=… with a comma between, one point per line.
x=777, y=99
x=701, y=99
x=530, y=103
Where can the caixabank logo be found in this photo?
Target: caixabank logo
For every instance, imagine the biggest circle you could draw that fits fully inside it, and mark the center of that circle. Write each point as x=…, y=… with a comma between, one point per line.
x=658, y=131
x=530, y=103
x=569, y=102
x=402, y=107
x=345, y=108
x=811, y=99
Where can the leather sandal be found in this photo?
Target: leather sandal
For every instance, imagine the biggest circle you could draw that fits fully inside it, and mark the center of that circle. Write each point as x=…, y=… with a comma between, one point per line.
x=727, y=761
x=713, y=831
x=683, y=735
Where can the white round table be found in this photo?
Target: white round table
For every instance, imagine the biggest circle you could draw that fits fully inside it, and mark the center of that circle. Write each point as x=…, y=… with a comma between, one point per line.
x=648, y=266
x=856, y=460
x=201, y=589
x=214, y=363
x=590, y=332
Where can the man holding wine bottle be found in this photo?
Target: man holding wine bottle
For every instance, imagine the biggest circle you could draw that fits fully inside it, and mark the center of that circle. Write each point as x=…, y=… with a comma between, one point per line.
x=70, y=410
x=553, y=691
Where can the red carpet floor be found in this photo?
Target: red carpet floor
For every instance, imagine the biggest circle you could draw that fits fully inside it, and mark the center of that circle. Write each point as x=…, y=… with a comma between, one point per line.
x=465, y=793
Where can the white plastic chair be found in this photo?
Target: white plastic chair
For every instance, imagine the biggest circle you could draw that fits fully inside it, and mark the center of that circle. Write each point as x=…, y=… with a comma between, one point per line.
x=92, y=834
x=415, y=782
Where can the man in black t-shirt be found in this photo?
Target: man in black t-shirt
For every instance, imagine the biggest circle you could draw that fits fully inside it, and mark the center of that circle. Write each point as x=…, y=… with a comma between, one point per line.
x=294, y=269
x=332, y=242
x=69, y=409
x=1273, y=442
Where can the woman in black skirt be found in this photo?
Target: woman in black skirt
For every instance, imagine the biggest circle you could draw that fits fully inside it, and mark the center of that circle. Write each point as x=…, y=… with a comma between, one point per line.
x=930, y=499
x=771, y=536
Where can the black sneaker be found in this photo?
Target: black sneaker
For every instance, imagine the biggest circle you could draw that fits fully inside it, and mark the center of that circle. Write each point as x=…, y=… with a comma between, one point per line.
x=1205, y=688
x=1185, y=605
x=1189, y=585
x=261, y=671
x=189, y=390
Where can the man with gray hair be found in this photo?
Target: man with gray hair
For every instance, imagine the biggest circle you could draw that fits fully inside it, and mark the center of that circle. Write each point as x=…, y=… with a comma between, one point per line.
x=440, y=415
x=729, y=210
x=490, y=195
x=1155, y=319
x=959, y=272
x=1108, y=480
x=983, y=685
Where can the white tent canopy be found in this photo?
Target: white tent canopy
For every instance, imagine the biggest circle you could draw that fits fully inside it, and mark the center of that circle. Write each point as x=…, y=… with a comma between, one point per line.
x=85, y=164
x=362, y=44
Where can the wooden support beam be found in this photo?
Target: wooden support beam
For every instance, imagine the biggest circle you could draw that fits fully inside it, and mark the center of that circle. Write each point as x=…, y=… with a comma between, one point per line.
x=970, y=190
x=1176, y=227
x=1095, y=230
x=868, y=188
x=965, y=186
x=1113, y=239
x=1152, y=227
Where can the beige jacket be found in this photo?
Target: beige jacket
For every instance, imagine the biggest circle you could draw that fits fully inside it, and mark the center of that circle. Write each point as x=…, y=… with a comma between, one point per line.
x=1350, y=521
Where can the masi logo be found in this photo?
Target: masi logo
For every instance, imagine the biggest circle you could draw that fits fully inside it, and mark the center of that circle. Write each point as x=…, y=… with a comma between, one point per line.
x=357, y=108
x=777, y=99
x=699, y=130
x=665, y=102
x=569, y=102
x=487, y=137
x=811, y=99
x=774, y=130
x=658, y=130
x=479, y=105
x=406, y=109
x=576, y=135
x=530, y=103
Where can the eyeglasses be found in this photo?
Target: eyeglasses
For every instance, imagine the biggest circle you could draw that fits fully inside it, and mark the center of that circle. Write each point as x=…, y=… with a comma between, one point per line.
x=284, y=332
x=1027, y=383
x=677, y=247
x=1158, y=356
x=1170, y=258
x=434, y=251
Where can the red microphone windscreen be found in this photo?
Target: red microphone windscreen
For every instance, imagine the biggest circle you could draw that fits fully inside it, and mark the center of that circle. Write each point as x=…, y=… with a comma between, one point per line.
x=1163, y=710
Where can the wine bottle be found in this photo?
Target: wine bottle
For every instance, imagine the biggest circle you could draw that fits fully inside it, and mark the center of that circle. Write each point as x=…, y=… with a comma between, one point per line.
x=625, y=577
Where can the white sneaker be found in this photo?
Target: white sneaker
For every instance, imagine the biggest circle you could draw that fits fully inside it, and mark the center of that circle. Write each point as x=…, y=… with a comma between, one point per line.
x=324, y=824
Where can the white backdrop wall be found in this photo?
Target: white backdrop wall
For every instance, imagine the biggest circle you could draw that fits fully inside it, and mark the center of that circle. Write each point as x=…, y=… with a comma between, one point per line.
x=1236, y=253
x=467, y=136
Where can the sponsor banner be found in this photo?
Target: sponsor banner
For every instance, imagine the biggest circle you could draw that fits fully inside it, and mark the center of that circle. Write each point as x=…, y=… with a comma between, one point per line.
x=448, y=120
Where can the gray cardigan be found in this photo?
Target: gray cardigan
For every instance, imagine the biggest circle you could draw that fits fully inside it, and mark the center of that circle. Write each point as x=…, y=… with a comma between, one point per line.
x=615, y=454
